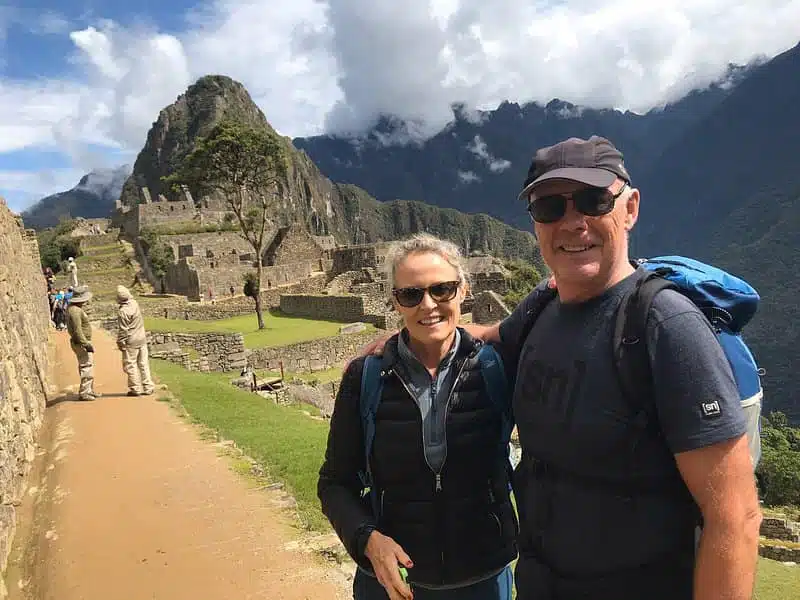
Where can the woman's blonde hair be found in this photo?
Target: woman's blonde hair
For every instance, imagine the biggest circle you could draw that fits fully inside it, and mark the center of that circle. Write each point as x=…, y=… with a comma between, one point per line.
x=424, y=242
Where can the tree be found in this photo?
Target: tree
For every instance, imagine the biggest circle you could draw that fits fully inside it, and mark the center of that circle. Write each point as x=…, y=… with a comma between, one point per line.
x=523, y=277
x=249, y=167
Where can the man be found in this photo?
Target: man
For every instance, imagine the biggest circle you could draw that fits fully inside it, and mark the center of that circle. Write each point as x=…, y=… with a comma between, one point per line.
x=80, y=337
x=598, y=520
x=72, y=269
x=132, y=342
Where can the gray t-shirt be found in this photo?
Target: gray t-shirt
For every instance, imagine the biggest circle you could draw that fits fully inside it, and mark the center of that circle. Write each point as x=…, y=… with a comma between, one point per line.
x=571, y=414
x=566, y=364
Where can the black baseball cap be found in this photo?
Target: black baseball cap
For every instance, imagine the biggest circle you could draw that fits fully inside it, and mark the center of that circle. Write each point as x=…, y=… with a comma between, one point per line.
x=595, y=162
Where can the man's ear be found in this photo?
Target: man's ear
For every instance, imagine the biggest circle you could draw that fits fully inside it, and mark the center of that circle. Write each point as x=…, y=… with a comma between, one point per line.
x=631, y=209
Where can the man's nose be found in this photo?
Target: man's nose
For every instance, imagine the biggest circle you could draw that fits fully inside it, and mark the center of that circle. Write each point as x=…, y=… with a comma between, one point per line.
x=573, y=219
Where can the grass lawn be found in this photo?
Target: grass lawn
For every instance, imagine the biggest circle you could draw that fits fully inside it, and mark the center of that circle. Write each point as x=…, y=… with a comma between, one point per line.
x=289, y=444
x=321, y=377
x=279, y=329
x=776, y=581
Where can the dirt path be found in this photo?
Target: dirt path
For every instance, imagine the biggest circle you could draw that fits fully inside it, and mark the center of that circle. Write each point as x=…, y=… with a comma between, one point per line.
x=128, y=503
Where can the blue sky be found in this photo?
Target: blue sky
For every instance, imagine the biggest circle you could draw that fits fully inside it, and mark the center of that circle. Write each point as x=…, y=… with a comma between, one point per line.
x=81, y=81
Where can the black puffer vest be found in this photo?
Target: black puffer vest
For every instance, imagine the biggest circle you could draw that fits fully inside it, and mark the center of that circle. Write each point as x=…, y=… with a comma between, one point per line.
x=458, y=524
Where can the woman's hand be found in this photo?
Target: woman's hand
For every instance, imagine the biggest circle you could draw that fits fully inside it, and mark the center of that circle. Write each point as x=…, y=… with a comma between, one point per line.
x=386, y=556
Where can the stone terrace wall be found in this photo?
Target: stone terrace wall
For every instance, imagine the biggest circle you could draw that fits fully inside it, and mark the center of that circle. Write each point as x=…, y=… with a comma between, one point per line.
x=334, y=308
x=220, y=351
x=24, y=326
x=231, y=307
x=776, y=528
x=315, y=355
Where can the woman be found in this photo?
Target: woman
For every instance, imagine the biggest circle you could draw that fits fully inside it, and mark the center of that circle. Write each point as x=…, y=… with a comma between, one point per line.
x=438, y=463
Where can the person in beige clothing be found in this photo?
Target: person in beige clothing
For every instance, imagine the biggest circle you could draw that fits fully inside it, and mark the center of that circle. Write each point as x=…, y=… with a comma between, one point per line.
x=80, y=340
x=132, y=342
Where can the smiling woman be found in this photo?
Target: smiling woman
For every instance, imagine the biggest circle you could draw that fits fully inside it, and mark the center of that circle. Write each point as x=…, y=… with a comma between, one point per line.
x=434, y=511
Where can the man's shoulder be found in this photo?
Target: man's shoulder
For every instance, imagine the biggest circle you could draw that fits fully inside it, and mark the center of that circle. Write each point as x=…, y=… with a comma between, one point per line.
x=670, y=303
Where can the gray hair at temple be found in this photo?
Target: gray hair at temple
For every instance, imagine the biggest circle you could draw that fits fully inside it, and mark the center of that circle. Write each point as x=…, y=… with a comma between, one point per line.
x=424, y=242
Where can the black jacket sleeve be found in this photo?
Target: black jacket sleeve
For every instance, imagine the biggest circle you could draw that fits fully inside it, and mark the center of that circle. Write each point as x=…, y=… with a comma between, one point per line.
x=339, y=487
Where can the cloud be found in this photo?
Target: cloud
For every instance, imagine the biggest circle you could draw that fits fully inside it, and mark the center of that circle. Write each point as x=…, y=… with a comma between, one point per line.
x=22, y=188
x=468, y=177
x=478, y=148
x=336, y=66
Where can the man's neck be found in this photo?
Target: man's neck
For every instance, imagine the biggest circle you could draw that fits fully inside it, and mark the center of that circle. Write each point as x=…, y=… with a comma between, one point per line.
x=574, y=294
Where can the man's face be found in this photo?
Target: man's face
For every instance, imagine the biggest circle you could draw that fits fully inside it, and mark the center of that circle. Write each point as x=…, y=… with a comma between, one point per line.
x=585, y=252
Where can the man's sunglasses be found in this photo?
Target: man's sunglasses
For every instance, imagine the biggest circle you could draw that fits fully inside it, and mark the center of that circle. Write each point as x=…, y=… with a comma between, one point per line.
x=440, y=292
x=591, y=201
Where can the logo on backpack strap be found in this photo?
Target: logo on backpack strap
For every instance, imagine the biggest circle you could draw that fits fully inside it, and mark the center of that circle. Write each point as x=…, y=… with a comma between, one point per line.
x=711, y=409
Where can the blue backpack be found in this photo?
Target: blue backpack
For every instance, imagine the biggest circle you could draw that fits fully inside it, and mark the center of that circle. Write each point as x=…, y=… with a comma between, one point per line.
x=372, y=378
x=729, y=303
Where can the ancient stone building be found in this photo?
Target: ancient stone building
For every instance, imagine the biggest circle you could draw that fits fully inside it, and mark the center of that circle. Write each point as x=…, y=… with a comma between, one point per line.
x=24, y=325
x=209, y=264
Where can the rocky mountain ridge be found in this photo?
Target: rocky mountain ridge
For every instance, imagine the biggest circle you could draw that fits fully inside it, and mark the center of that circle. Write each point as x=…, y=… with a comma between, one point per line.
x=325, y=208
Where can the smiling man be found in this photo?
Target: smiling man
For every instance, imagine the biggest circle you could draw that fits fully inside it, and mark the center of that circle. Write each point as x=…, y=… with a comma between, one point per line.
x=604, y=515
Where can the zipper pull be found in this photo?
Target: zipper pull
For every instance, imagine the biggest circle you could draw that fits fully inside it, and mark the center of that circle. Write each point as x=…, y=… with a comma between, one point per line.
x=438, y=482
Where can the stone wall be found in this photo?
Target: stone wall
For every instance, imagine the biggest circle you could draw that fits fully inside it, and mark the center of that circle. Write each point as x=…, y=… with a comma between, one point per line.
x=315, y=355
x=353, y=258
x=24, y=326
x=779, y=553
x=488, y=308
x=776, y=528
x=218, y=351
x=335, y=308
x=293, y=245
x=207, y=245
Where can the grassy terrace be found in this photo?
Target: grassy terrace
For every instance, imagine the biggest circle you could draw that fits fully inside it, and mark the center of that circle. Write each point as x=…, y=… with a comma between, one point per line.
x=283, y=439
x=280, y=329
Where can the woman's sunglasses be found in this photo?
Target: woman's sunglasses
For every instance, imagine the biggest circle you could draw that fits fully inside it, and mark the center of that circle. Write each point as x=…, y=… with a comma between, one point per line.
x=591, y=201
x=409, y=297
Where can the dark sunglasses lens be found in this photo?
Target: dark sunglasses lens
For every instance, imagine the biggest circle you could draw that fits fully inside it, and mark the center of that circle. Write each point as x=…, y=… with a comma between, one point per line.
x=409, y=297
x=444, y=292
x=548, y=209
x=594, y=202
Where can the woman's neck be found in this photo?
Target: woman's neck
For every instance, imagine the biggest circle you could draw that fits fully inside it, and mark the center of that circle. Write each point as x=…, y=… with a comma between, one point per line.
x=430, y=355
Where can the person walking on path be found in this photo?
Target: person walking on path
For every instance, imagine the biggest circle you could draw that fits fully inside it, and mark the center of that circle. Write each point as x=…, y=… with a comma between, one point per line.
x=80, y=336
x=132, y=342
x=72, y=269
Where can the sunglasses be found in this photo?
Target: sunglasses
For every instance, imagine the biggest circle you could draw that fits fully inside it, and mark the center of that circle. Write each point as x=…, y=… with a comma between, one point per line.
x=409, y=297
x=591, y=201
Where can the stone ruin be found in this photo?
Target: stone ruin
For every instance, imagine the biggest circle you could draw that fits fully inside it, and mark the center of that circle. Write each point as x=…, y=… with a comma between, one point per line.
x=331, y=280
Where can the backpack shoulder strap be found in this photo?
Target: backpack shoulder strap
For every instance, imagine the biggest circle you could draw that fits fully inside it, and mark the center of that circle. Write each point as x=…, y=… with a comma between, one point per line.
x=496, y=384
x=543, y=293
x=369, y=399
x=631, y=357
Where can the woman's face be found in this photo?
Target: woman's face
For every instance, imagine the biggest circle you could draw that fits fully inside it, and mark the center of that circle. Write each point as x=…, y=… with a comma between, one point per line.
x=429, y=322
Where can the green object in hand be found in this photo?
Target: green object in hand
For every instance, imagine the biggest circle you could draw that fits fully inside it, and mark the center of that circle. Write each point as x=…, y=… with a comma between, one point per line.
x=404, y=574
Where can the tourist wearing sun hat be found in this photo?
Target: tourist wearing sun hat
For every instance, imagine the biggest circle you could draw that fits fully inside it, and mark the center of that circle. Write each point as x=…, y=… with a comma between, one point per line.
x=80, y=337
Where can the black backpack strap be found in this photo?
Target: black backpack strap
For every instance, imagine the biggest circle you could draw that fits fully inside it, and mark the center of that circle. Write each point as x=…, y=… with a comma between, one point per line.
x=542, y=294
x=631, y=357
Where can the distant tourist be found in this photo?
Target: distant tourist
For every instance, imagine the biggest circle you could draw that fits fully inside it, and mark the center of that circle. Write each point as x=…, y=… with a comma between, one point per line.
x=72, y=269
x=132, y=342
x=432, y=495
x=80, y=335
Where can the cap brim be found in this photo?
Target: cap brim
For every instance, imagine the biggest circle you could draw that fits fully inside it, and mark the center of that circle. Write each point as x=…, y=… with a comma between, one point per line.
x=588, y=176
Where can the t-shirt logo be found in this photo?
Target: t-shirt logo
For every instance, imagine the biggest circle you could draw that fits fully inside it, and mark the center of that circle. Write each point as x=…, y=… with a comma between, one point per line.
x=711, y=409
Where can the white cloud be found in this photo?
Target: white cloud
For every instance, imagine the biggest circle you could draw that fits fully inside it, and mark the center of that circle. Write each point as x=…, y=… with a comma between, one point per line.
x=479, y=148
x=468, y=177
x=336, y=65
x=23, y=188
